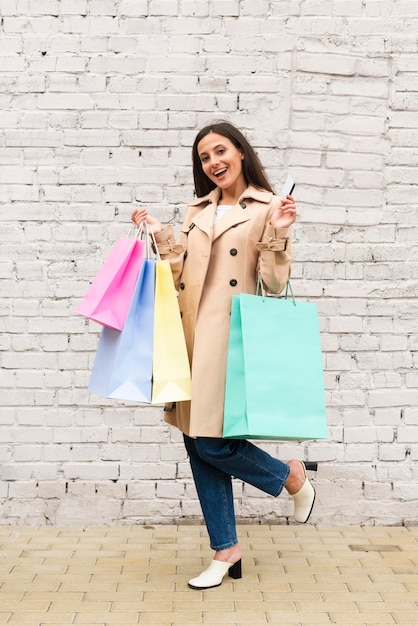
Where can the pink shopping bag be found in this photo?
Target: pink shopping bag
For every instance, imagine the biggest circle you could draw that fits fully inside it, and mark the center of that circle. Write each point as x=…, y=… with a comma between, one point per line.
x=109, y=296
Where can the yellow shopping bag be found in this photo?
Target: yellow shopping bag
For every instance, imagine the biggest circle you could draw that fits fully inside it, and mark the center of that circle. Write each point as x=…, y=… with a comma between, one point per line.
x=171, y=370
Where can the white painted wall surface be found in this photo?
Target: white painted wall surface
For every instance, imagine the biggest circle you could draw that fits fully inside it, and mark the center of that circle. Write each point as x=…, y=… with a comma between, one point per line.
x=100, y=101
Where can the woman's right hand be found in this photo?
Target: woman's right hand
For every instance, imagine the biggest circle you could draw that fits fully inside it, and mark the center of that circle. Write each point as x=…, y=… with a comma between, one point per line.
x=141, y=215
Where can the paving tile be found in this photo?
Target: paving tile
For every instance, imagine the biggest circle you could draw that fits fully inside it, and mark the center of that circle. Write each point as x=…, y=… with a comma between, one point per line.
x=177, y=617
x=33, y=606
x=369, y=585
x=355, y=619
x=326, y=585
x=240, y=617
x=353, y=596
x=211, y=606
x=145, y=619
x=34, y=618
x=284, y=617
x=401, y=606
x=277, y=604
x=410, y=619
x=310, y=606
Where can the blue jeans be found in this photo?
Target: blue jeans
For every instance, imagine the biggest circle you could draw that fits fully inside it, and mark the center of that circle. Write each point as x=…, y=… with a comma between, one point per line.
x=214, y=462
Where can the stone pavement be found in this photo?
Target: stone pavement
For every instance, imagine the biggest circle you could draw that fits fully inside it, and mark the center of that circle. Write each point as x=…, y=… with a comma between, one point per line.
x=126, y=575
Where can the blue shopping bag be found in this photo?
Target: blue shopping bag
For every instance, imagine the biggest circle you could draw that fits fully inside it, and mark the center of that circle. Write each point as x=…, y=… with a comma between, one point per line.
x=274, y=379
x=123, y=365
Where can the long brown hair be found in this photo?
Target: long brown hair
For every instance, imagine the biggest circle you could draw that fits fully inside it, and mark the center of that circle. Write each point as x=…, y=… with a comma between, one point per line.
x=252, y=169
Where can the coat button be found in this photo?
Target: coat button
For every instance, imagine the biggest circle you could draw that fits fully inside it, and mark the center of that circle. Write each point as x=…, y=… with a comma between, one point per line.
x=243, y=205
x=233, y=282
x=233, y=252
x=182, y=285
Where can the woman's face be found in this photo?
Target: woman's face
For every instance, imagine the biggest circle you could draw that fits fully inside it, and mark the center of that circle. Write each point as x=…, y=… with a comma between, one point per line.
x=222, y=162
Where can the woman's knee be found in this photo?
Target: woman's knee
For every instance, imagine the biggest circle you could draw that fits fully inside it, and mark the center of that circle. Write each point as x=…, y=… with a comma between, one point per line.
x=213, y=450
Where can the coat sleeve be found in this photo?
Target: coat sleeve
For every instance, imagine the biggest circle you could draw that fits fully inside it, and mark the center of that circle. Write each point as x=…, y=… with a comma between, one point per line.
x=172, y=250
x=274, y=258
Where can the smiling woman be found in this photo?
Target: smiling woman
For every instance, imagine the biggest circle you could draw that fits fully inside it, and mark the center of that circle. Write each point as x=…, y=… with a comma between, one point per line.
x=234, y=231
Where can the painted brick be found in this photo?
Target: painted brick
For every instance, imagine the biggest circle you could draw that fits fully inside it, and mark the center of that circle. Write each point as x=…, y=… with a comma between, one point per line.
x=100, y=102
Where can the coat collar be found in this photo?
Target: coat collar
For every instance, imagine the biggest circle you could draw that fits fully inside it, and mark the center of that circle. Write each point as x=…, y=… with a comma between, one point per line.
x=236, y=215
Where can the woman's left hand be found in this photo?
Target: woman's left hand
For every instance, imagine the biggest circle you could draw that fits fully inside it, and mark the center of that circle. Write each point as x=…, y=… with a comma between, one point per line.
x=285, y=214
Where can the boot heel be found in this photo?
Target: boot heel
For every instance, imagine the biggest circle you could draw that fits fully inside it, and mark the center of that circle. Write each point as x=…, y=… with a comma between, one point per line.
x=235, y=571
x=311, y=465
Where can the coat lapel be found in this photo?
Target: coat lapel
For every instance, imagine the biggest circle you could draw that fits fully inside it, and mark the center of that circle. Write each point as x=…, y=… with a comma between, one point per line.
x=204, y=219
x=205, y=213
x=242, y=211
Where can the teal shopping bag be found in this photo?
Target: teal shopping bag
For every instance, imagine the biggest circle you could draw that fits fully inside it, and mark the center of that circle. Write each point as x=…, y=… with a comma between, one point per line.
x=274, y=378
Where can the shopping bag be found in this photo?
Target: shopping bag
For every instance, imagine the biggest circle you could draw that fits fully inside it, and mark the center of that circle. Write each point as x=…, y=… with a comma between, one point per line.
x=108, y=298
x=123, y=365
x=274, y=379
x=171, y=370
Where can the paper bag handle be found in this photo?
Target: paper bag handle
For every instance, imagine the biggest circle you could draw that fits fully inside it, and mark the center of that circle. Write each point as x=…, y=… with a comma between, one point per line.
x=261, y=291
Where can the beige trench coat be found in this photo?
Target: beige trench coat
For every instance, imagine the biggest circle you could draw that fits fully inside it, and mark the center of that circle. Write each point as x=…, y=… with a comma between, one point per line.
x=210, y=263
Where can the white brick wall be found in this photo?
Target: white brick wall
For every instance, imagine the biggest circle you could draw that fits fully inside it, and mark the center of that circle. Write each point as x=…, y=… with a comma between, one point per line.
x=99, y=103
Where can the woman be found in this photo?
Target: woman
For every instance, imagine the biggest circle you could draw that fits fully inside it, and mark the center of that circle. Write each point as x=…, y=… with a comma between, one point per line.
x=235, y=230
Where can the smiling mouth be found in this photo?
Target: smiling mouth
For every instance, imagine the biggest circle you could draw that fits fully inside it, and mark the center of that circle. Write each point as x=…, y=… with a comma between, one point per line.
x=220, y=173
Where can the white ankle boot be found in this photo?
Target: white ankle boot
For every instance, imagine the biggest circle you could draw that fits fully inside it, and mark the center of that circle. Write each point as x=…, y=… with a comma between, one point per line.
x=214, y=574
x=304, y=500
